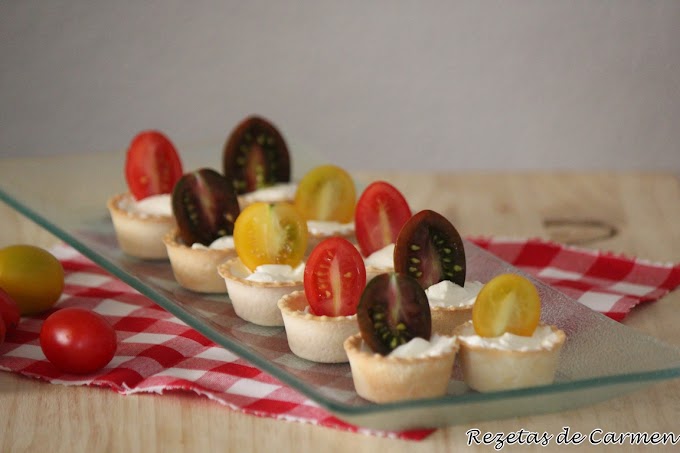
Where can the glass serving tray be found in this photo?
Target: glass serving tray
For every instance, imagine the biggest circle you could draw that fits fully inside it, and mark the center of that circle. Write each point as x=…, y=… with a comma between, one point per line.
x=600, y=360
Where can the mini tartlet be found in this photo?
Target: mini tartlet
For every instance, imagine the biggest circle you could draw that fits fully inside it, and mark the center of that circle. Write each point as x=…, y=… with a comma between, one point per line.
x=445, y=317
x=379, y=262
x=315, y=338
x=396, y=356
x=276, y=193
x=196, y=268
x=374, y=271
x=487, y=368
x=143, y=215
x=326, y=198
x=319, y=230
x=384, y=379
x=139, y=235
x=255, y=301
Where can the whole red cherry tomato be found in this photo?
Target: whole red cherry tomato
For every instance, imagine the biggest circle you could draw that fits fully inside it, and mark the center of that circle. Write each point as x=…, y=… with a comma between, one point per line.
x=77, y=340
x=9, y=311
x=152, y=165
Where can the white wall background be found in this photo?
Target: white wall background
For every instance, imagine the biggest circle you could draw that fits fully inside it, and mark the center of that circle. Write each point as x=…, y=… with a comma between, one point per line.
x=566, y=84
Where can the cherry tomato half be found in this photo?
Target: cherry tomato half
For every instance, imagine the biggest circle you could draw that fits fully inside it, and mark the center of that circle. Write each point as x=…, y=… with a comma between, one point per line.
x=326, y=193
x=270, y=233
x=507, y=303
x=77, y=340
x=9, y=311
x=393, y=310
x=32, y=276
x=335, y=276
x=380, y=213
x=255, y=155
x=152, y=165
x=430, y=249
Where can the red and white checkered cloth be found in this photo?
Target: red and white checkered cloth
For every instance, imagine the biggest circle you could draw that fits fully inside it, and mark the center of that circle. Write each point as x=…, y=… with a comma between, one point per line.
x=158, y=353
x=608, y=283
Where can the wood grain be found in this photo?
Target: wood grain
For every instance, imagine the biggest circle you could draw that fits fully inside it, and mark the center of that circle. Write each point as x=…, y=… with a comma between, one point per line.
x=642, y=208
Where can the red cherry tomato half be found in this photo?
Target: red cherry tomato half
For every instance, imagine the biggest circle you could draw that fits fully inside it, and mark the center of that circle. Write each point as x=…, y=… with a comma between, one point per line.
x=380, y=213
x=335, y=276
x=152, y=165
x=9, y=311
x=77, y=340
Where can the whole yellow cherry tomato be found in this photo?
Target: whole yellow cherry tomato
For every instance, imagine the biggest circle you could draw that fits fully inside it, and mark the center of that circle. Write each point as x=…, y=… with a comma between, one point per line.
x=32, y=276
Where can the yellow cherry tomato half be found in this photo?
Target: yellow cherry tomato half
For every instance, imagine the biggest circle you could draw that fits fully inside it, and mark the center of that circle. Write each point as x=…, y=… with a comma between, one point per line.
x=270, y=233
x=32, y=276
x=326, y=193
x=507, y=303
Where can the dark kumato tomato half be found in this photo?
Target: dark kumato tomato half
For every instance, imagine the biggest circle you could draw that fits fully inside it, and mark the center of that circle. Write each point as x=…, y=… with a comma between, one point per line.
x=393, y=310
x=205, y=206
x=430, y=250
x=255, y=156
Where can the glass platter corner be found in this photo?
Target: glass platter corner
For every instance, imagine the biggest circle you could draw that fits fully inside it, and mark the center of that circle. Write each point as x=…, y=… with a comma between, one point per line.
x=600, y=360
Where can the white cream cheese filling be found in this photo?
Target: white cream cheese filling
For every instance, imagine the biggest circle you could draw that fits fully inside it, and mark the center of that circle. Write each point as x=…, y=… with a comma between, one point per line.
x=420, y=347
x=382, y=259
x=277, y=273
x=221, y=243
x=544, y=337
x=284, y=191
x=448, y=294
x=153, y=205
x=327, y=228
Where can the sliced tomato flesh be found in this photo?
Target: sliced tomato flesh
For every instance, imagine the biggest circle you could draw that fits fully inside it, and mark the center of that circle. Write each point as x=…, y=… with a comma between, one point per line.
x=335, y=276
x=380, y=214
x=205, y=206
x=430, y=249
x=393, y=309
x=152, y=165
x=326, y=193
x=255, y=155
x=270, y=233
x=507, y=303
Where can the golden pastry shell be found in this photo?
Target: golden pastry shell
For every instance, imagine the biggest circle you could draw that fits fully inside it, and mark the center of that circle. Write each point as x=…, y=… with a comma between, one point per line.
x=196, y=269
x=315, y=338
x=139, y=235
x=384, y=379
x=255, y=301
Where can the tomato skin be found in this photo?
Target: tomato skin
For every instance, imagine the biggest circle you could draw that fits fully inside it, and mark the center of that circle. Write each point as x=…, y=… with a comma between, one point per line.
x=32, y=276
x=152, y=165
x=335, y=276
x=77, y=340
x=9, y=311
x=380, y=213
x=3, y=331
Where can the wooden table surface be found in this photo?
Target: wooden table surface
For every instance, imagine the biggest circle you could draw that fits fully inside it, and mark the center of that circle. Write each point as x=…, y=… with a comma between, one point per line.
x=637, y=214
